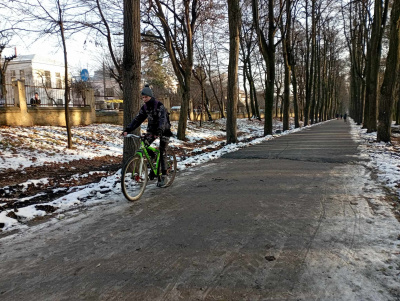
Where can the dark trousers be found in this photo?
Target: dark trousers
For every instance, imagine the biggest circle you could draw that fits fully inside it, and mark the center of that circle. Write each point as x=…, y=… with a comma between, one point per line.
x=164, y=141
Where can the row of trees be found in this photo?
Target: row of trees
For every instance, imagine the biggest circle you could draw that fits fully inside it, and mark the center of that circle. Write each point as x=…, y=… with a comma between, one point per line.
x=374, y=88
x=304, y=56
x=307, y=36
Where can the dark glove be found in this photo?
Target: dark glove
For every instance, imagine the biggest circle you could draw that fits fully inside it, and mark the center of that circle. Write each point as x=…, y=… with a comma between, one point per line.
x=159, y=132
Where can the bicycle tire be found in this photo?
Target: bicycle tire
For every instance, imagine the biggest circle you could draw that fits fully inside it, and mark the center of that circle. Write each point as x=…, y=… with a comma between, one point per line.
x=171, y=167
x=134, y=178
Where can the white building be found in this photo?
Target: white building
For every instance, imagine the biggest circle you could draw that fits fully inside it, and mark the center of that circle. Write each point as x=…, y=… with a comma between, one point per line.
x=41, y=74
x=36, y=70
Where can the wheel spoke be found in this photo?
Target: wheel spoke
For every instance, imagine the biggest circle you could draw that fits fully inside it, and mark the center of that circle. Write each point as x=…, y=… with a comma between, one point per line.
x=134, y=178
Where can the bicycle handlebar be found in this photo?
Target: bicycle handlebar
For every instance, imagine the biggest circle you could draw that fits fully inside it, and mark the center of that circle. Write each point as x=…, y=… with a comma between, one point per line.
x=136, y=136
x=133, y=136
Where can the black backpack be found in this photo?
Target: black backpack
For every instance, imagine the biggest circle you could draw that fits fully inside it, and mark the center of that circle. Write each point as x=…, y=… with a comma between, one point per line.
x=167, y=131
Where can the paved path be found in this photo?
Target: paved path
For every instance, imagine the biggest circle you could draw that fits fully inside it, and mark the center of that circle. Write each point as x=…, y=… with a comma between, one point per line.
x=288, y=219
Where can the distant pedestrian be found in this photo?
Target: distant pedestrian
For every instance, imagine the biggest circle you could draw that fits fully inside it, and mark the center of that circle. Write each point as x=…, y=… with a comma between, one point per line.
x=337, y=116
x=341, y=116
x=344, y=117
x=35, y=100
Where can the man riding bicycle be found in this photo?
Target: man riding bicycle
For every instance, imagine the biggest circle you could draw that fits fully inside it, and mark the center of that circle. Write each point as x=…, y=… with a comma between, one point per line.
x=158, y=126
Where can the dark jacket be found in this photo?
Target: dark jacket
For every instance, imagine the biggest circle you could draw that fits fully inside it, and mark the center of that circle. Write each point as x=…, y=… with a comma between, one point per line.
x=157, y=118
x=35, y=101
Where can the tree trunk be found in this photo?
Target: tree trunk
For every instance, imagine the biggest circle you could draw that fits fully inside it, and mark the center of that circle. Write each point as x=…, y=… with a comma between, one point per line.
x=267, y=49
x=245, y=90
x=286, y=44
x=314, y=55
x=319, y=97
x=310, y=62
x=253, y=93
x=390, y=86
x=232, y=95
x=286, y=99
x=183, y=116
x=278, y=93
x=131, y=69
x=204, y=98
x=220, y=106
x=295, y=101
x=221, y=92
x=398, y=110
x=207, y=106
x=66, y=82
x=210, y=80
x=374, y=63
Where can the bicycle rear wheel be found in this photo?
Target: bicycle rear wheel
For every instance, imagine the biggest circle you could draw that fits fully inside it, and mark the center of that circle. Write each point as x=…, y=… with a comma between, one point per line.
x=171, y=167
x=134, y=177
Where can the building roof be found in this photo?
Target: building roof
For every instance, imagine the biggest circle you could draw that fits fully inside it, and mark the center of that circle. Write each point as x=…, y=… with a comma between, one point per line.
x=36, y=58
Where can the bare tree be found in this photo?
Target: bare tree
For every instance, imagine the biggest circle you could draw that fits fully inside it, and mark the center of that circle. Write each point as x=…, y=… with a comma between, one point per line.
x=391, y=85
x=174, y=23
x=247, y=46
x=267, y=48
x=131, y=68
x=287, y=54
x=356, y=28
x=373, y=64
x=105, y=22
x=3, y=67
x=216, y=77
x=232, y=93
x=310, y=59
x=5, y=37
x=55, y=18
x=201, y=77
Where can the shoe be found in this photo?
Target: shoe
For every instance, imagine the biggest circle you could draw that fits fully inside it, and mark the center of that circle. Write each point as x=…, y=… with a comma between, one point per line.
x=162, y=181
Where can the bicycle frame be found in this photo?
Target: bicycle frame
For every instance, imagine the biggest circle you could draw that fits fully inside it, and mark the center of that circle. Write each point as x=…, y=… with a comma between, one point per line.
x=134, y=173
x=143, y=150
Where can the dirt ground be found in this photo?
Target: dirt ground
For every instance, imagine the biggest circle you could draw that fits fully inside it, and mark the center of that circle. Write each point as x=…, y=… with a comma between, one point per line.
x=60, y=175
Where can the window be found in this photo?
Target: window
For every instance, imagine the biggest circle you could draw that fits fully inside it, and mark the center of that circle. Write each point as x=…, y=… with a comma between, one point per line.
x=21, y=74
x=13, y=77
x=109, y=92
x=58, y=80
x=47, y=76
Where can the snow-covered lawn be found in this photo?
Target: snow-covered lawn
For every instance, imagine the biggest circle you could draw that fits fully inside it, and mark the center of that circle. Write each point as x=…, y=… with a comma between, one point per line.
x=384, y=157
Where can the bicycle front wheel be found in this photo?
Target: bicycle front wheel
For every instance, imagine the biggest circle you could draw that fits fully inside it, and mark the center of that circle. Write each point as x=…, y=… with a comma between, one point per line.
x=134, y=177
x=171, y=167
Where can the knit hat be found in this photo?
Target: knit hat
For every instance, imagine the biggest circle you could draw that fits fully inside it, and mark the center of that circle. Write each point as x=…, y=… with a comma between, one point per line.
x=147, y=91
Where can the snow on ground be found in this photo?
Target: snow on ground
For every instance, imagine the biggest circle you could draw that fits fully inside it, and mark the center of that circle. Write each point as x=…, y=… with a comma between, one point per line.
x=384, y=157
x=22, y=147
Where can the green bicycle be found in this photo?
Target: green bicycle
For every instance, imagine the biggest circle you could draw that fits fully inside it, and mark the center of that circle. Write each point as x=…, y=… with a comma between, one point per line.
x=144, y=165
